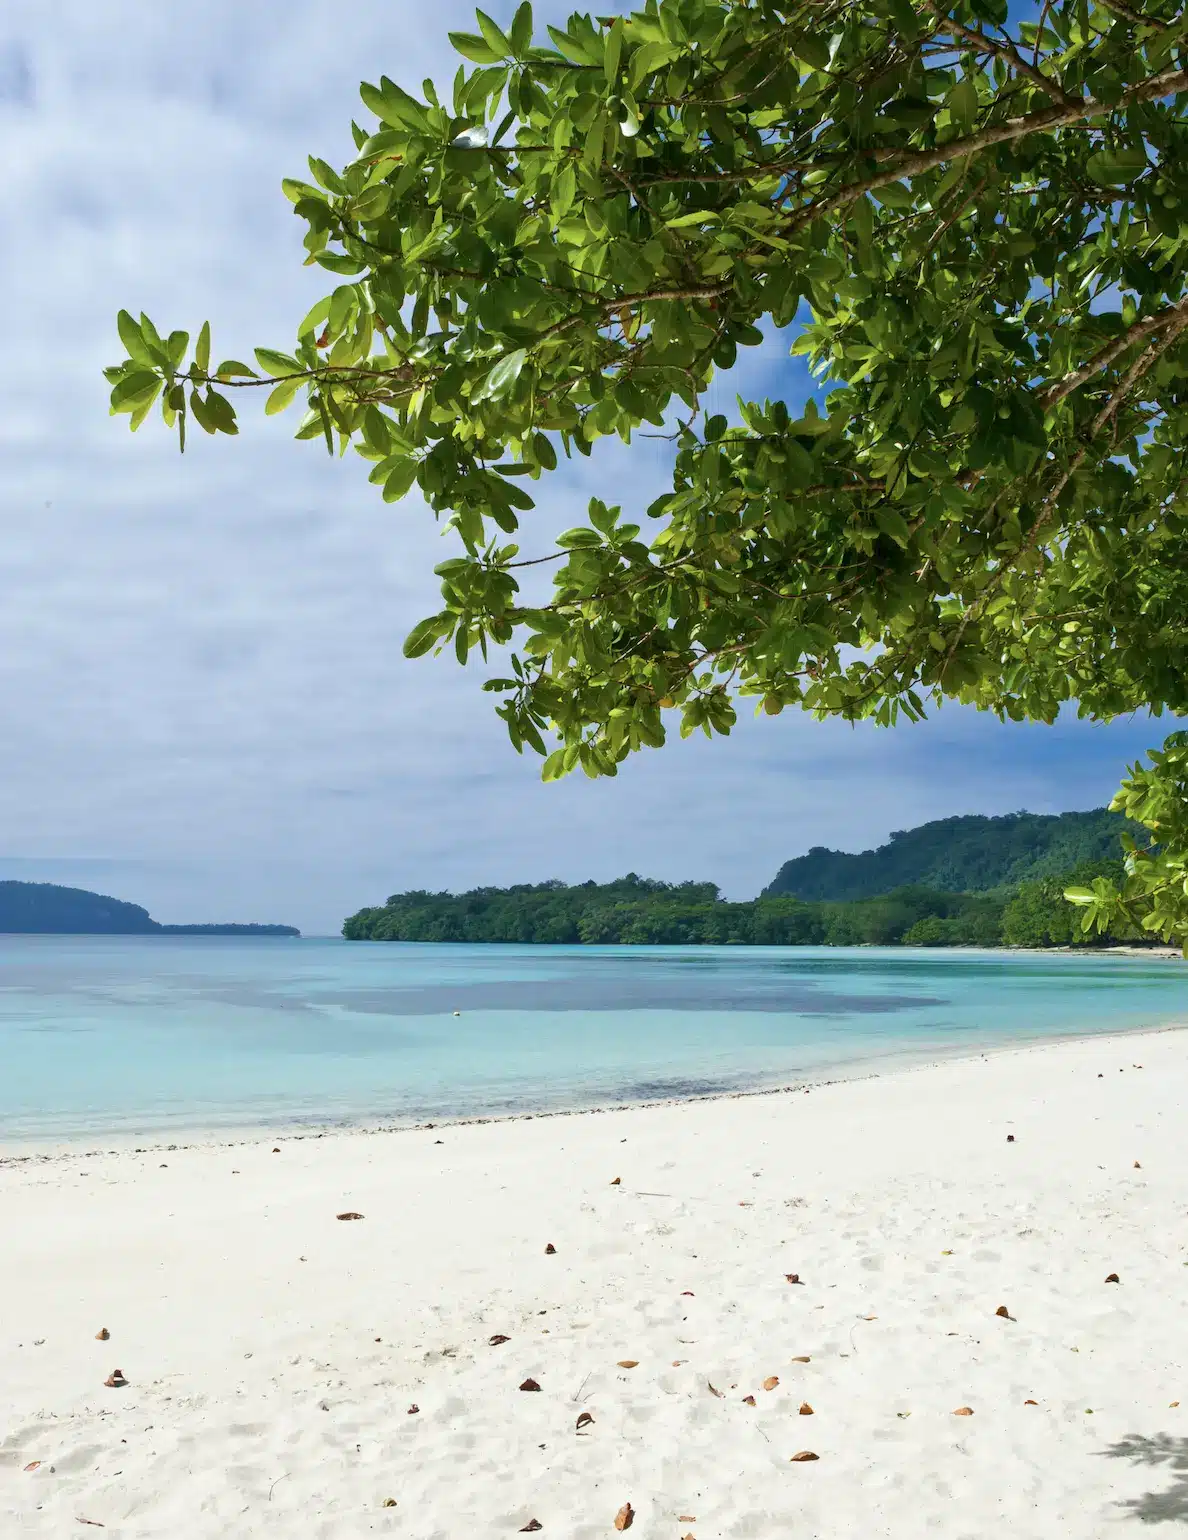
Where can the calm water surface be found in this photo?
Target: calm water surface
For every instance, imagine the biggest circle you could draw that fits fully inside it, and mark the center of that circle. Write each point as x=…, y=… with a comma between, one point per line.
x=129, y=1035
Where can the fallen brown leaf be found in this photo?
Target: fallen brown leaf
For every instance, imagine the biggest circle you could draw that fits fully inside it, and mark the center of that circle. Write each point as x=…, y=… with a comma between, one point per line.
x=1137, y=1167
x=1113, y=1278
x=1004, y=1312
x=115, y=1379
x=628, y=1363
x=530, y=1384
x=771, y=1382
x=1030, y=1402
x=719, y=1393
x=389, y=1502
x=413, y=1409
x=584, y=1421
x=276, y=1152
x=102, y=1335
x=805, y=1409
x=1170, y=1403
x=686, y=1518
x=33, y=1465
x=870, y=1317
x=497, y=1339
x=805, y=1454
x=903, y=1414
x=748, y=1400
x=350, y=1214
x=94, y=1523
x=550, y=1250
x=801, y=1358
x=625, y=1517
x=1010, y=1138
x=617, y=1182
x=963, y=1411
x=687, y=1294
x=792, y=1277
x=531, y=1527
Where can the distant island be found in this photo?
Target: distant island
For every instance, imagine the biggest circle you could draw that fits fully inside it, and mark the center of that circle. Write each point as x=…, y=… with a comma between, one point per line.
x=44, y=909
x=972, y=881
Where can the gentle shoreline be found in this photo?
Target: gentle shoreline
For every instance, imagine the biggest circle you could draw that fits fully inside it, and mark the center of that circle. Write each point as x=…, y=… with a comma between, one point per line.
x=274, y=1354
x=894, y=1062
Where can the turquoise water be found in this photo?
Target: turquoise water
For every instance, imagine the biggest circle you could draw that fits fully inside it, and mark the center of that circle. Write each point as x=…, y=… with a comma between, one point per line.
x=152, y=1035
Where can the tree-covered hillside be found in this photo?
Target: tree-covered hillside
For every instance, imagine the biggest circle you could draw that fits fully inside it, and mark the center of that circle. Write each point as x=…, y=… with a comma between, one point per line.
x=44, y=908
x=969, y=854
x=637, y=912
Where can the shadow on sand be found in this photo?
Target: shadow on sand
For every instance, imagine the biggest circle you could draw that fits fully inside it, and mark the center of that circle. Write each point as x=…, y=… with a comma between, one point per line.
x=1170, y=1504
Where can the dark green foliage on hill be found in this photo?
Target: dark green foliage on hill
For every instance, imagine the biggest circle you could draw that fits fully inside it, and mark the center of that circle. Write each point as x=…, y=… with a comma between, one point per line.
x=961, y=855
x=636, y=912
x=1038, y=914
x=43, y=908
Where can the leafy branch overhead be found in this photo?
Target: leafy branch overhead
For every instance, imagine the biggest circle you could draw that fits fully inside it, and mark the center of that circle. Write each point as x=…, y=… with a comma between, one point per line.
x=977, y=232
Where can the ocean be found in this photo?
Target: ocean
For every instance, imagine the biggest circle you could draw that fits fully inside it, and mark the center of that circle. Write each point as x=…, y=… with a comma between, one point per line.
x=160, y=1037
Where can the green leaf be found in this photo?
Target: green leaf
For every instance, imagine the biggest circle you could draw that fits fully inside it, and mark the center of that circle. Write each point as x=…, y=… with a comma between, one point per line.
x=422, y=637
x=133, y=339
x=231, y=369
x=280, y=397
x=502, y=377
x=496, y=40
x=400, y=480
x=472, y=47
x=201, y=350
x=697, y=217
x=133, y=389
x=1112, y=167
x=521, y=30
x=277, y=364
x=613, y=50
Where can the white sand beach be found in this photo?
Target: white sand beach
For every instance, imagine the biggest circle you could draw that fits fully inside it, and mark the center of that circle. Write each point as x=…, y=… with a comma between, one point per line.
x=289, y=1373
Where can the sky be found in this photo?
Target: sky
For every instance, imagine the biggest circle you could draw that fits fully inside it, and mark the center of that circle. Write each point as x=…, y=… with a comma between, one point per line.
x=204, y=704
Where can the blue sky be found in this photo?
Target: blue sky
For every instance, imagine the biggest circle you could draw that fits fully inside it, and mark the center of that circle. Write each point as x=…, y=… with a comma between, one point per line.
x=201, y=684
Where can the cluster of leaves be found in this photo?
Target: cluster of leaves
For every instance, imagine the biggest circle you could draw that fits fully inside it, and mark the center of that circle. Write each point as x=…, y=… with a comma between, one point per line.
x=636, y=912
x=982, y=236
x=1151, y=898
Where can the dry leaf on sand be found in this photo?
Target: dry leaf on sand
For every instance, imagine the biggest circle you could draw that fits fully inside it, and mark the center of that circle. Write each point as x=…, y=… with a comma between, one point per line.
x=801, y=1358
x=617, y=1182
x=686, y=1518
x=102, y=1335
x=792, y=1277
x=628, y=1363
x=1030, y=1402
x=33, y=1465
x=550, y=1250
x=531, y=1527
x=389, y=1502
x=1113, y=1278
x=771, y=1382
x=1004, y=1312
x=805, y=1409
x=713, y=1392
x=625, y=1517
x=497, y=1339
x=529, y=1385
x=748, y=1400
x=350, y=1214
x=805, y=1454
x=413, y=1409
x=584, y=1421
x=115, y=1379
x=963, y=1411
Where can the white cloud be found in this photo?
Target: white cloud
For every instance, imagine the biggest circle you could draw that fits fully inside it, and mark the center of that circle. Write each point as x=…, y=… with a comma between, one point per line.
x=200, y=670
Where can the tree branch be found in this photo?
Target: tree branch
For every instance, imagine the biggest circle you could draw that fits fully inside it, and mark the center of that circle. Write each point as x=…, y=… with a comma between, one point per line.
x=1106, y=355
x=1004, y=51
x=1167, y=82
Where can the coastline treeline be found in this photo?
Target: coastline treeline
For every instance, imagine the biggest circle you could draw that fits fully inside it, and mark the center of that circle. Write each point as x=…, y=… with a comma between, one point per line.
x=639, y=911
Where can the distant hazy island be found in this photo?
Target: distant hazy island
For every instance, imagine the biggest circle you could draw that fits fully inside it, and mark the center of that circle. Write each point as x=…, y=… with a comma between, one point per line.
x=43, y=909
x=969, y=881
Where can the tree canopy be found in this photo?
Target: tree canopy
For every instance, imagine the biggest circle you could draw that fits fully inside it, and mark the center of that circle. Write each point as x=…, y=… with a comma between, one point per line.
x=977, y=232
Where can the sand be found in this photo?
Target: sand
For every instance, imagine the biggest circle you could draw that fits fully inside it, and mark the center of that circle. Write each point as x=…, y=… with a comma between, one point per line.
x=289, y=1373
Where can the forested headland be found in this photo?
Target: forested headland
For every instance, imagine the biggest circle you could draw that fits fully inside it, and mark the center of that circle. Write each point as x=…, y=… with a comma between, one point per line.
x=963, y=909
